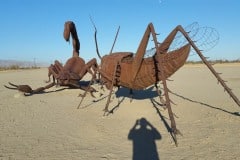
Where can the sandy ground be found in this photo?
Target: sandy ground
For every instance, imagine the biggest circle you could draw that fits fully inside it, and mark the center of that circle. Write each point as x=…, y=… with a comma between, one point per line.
x=49, y=125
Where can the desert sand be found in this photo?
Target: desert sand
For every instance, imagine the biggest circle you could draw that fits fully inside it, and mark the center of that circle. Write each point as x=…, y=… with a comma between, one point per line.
x=49, y=125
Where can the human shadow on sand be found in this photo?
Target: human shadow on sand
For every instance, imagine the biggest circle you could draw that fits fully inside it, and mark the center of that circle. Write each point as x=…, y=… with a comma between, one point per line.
x=143, y=135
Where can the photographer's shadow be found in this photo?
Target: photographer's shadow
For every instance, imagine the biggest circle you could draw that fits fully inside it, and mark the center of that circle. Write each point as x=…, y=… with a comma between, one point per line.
x=143, y=135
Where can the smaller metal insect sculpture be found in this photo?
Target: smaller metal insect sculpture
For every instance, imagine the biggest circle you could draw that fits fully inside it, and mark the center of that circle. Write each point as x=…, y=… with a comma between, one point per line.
x=133, y=71
x=71, y=73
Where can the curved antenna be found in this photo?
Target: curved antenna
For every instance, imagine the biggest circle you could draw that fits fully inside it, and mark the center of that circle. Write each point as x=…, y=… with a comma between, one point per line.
x=114, y=40
x=95, y=37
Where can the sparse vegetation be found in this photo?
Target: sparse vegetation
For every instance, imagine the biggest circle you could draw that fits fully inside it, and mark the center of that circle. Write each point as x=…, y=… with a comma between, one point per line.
x=20, y=64
x=215, y=61
x=220, y=61
x=16, y=67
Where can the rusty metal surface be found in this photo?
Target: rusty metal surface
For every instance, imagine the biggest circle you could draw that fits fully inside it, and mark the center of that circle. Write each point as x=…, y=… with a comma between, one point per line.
x=136, y=72
x=71, y=73
x=147, y=72
x=123, y=69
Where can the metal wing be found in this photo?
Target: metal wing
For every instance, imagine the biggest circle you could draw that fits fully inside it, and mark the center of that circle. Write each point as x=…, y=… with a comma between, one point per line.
x=205, y=39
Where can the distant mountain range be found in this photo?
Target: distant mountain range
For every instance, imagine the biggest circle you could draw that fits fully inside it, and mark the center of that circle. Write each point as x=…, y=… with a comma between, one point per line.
x=24, y=64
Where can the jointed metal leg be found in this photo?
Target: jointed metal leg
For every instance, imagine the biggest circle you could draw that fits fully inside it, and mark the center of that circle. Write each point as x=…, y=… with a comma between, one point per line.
x=111, y=89
x=163, y=76
x=85, y=93
x=220, y=80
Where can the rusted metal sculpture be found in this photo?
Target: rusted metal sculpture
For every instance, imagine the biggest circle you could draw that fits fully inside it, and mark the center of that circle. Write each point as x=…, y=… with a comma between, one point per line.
x=124, y=69
x=71, y=73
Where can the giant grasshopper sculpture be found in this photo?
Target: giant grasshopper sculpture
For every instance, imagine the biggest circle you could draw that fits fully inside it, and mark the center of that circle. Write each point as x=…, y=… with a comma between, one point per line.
x=71, y=73
x=133, y=71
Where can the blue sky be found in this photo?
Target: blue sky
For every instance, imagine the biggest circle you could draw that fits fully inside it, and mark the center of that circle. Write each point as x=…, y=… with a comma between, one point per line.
x=34, y=29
